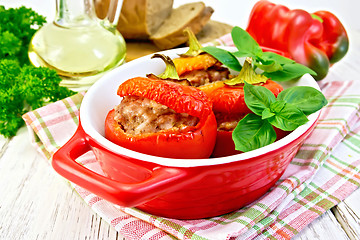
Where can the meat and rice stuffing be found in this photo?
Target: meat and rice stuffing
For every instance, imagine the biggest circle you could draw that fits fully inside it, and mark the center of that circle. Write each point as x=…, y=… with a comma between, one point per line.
x=138, y=115
x=205, y=76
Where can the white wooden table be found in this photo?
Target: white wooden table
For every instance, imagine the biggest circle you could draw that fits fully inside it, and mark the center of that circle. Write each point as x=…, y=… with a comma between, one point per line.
x=36, y=203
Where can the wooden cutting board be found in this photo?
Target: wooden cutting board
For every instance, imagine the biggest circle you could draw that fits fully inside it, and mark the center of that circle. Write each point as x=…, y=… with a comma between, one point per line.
x=136, y=49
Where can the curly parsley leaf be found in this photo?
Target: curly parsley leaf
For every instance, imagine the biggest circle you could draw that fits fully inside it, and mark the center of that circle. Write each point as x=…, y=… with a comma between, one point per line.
x=23, y=89
x=17, y=26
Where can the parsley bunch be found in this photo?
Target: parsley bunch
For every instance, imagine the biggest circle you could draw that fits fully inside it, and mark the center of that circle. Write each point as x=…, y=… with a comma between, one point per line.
x=17, y=26
x=22, y=86
x=25, y=88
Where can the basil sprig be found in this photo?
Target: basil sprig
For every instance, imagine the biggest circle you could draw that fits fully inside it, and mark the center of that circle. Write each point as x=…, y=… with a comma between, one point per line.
x=286, y=112
x=275, y=66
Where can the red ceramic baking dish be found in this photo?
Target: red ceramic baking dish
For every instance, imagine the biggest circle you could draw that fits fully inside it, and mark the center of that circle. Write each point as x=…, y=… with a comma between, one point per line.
x=176, y=188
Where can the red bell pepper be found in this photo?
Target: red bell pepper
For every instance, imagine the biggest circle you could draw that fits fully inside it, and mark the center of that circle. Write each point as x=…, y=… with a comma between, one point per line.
x=225, y=146
x=229, y=102
x=188, y=142
x=230, y=99
x=315, y=40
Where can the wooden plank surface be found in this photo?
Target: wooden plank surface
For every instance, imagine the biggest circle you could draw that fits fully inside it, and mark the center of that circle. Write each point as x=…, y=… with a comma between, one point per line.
x=3, y=145
x=348, y=215
x=36, y=203
x=324, y=227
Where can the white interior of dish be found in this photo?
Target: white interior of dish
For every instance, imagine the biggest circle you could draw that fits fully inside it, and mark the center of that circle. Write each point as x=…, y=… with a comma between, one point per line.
x=102, y=97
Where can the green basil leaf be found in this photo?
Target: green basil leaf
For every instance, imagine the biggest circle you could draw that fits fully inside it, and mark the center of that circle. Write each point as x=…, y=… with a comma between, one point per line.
x=257, y=98
x=252, y=132
x=267, y=113
x=307, y=99
x=289, y=72
x=277, y=106
x=244, y=54
x=268, y=66
x=289, y=118
x=245, y=43
x=225, y=57
x=268, y=56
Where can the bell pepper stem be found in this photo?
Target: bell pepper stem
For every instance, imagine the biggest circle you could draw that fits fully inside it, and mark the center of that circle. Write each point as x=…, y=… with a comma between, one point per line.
x=247, y=74
x=194, y=45
x=170, y=70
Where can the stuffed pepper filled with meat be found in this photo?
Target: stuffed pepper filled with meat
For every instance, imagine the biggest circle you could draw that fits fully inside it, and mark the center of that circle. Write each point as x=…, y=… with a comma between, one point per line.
x=197, y=66
x=226, y=92
x=162, y=118
x=229, y=106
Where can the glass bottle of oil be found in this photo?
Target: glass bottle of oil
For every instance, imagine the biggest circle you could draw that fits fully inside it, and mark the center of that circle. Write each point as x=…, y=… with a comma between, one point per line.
x=78, y=45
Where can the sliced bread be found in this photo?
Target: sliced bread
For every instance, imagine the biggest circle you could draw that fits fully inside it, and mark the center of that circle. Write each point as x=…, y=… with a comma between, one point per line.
x=141, y=18
x=213, y=30
x=170, y=34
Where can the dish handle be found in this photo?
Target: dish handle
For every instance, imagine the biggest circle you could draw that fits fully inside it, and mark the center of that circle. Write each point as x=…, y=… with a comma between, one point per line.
x=162, y=179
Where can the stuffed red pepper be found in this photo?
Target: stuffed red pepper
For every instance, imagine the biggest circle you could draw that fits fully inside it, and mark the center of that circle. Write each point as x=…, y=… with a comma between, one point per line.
x=229, y=107
x=162, y=118
x=208, y=74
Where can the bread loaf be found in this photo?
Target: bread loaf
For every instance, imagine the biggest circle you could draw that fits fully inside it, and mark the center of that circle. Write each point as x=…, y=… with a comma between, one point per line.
x=213, y=30
x=141, y=18
x=170, y=34
x=101, y=8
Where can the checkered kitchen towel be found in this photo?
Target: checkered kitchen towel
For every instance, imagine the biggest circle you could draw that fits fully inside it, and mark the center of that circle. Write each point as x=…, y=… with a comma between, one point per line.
x=323, y=173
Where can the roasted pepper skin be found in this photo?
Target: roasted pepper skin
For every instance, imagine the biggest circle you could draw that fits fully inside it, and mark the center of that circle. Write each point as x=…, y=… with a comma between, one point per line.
x=189, y=142
x=225, y=146
x=308, y=40
x=199, y=62
x=231, y=99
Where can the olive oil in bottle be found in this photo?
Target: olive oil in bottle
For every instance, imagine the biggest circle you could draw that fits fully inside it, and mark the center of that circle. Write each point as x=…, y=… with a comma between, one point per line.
x=80, y=47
